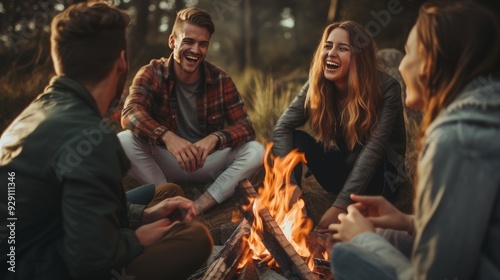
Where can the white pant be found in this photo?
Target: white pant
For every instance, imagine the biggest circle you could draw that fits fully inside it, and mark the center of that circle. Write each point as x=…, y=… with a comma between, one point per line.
x=225, y=168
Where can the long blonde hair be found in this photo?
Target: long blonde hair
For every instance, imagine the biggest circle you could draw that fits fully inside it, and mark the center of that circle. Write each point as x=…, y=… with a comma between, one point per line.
x=458, y=42
x=357, y=112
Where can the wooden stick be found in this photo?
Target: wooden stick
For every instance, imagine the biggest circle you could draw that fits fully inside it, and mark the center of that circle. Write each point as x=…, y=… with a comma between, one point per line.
x=226, y=261
x=235, y=248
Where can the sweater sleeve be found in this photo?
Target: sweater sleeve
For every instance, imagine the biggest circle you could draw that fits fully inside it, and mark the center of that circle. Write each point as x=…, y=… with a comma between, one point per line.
x=456, y=193
x=144, y=93
x=380, y=246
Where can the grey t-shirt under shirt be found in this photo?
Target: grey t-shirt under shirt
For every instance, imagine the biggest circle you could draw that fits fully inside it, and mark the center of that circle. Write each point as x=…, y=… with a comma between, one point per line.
x=188, y=126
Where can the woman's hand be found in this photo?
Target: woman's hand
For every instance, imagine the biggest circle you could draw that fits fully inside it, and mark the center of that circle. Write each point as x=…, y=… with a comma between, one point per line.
x=381, y=213
x=330, y=217
x=351, y=224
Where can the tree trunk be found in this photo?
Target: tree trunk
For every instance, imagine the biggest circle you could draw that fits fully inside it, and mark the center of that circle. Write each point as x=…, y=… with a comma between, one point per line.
x=139, y=31
x=334, y=11
x=249, y=37
x=179, y=5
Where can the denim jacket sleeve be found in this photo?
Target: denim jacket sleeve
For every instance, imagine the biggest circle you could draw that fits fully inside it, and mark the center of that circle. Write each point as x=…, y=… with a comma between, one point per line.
x=374, y=149
x=293, y=117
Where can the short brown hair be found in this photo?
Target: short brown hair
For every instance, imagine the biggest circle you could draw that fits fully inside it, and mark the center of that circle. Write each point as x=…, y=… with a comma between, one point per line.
x=194, y=16
x=87, y=38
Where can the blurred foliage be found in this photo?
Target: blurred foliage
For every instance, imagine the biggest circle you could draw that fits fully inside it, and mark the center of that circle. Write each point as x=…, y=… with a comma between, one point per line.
x=270, y=35
x=266, y=97
x=253, y=38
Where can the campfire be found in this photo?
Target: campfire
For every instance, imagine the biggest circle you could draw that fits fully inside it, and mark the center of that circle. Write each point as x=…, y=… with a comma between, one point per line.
x=275, y=233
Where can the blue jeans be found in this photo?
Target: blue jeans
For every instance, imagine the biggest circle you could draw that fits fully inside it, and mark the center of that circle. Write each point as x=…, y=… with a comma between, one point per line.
x=141, y=195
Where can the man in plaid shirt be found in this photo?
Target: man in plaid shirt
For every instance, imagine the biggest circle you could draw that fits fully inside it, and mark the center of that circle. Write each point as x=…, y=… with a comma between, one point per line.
x=185, y=120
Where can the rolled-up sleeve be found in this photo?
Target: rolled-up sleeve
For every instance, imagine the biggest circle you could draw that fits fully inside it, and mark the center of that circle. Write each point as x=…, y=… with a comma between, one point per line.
x=136, y=113
x=239, y=129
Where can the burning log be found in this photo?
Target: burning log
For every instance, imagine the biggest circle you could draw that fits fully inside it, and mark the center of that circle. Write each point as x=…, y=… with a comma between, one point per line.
x=225, y=264
x=249, y=272
x=291, y=264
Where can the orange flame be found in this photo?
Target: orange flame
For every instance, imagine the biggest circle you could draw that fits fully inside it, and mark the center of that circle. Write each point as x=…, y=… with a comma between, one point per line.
x=276, y=194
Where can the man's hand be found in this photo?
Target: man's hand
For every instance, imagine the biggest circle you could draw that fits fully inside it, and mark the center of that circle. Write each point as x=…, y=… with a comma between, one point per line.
x=166, y=207
x=351, y=224
x=381, y=213
x=330, y=217
x=185, y=152
x=205, y=147
x=151, y=233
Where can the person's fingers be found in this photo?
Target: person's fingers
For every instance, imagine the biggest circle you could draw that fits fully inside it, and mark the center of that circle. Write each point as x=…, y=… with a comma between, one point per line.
x=189, y=216
x=180, y=161
x=333, y=227
x=377, y=220
x=322, y=230
x=362, y=208
x=194, y=157
x=353, y=211
x=367, y=199
x=167, y=228
x=337, y=236
x=203, y=158
x=185, y=204
x=184, y=162
x=161, y=223
x=341, y=216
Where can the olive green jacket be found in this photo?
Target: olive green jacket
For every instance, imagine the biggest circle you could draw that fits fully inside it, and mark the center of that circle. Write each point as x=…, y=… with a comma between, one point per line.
x=70, y=216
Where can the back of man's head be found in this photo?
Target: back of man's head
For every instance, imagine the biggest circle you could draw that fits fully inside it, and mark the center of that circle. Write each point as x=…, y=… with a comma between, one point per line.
x=194, y=16
x=86, y=40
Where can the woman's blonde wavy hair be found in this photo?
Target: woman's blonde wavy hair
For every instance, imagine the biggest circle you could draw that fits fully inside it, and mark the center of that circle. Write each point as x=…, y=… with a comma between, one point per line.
x=357, y=110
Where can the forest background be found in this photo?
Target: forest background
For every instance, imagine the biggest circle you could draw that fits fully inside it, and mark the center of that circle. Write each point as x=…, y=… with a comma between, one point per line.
x=265, y=45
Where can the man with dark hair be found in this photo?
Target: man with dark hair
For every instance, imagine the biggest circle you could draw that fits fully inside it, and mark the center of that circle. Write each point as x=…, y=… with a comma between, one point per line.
x=63, y=201
x=185, y=119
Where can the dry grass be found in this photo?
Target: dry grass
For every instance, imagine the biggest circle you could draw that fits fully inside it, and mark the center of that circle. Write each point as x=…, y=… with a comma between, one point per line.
x=17, y=92
x=266, y=97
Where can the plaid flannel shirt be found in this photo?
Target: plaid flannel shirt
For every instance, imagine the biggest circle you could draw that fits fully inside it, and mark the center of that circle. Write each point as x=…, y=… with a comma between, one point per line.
x=149, y=111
